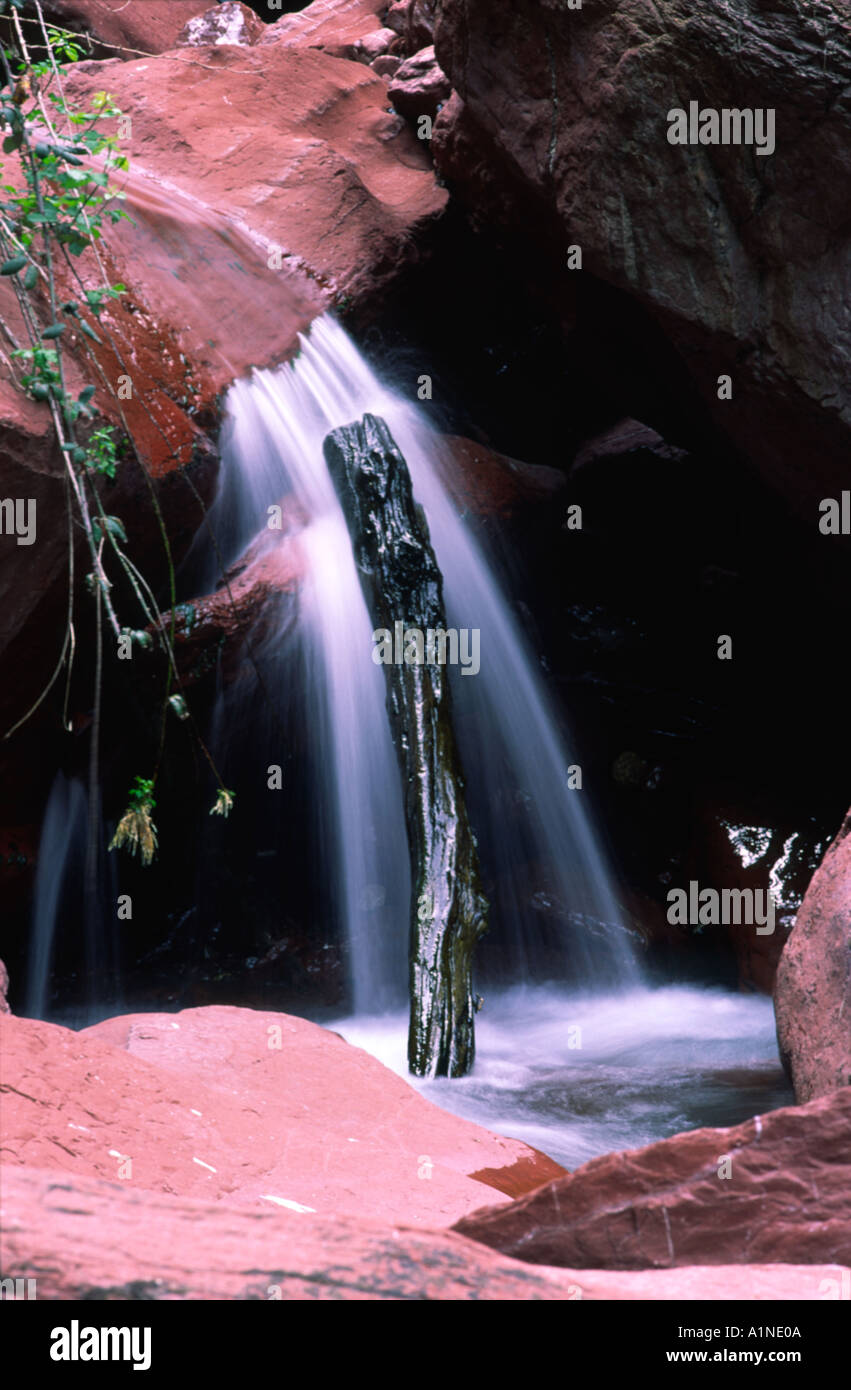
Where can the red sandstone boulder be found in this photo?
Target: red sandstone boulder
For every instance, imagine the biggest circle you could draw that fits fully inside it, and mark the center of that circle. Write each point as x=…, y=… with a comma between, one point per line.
x=254, y=602
x=419, y=87
x=386, y=65
x=812, y=991
x=413, y=21
x=88, y=1239
x=124, y=30
x=335, y=26
x=560, y=126
x=491, y=485
x=258, y=1108
x=247, y=227
x=786, y=1199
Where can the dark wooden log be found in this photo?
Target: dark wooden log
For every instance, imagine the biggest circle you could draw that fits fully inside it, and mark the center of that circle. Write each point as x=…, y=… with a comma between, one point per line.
x=401, y=582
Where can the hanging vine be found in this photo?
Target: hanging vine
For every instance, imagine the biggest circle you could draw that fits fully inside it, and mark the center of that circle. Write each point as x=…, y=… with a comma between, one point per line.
x=56, y=203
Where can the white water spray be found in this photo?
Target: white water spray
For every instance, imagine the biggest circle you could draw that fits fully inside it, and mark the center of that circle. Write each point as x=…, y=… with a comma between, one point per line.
x=63, y=840
x=508, y=736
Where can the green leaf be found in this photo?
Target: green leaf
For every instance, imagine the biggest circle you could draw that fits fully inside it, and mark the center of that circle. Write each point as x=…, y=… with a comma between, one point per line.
x=31, y=278
x=114, y=526
x=14, y=266
x=13, y=142
x=39, y=391
x=42, y=150
x=54, y=331
x=89, y=332
x=86, y=394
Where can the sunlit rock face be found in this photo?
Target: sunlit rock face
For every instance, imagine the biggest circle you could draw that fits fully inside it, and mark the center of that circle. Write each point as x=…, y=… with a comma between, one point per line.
x=233, y=1081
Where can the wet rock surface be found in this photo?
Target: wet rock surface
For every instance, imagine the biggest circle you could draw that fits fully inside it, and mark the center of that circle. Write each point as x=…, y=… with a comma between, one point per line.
x=775, y=1189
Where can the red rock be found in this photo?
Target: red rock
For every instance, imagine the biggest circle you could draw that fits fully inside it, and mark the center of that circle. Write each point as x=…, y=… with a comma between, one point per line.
x=413, y=21
x=373, y=45
x=332, y=25
x=329, y=176
x=419, y=87
x=124, y=29
x=230, y=22
x=787, y=1200
x=4, y=989
x=812, y=992
x=333, y=179
x=356, y=186
x=386, y=64
x=87, y=1239
x=491, y=484
x=560, y=126
x=93, y=1239
x=203, y=1104
x=31, y=468
x=626, y=437
x=251, y=605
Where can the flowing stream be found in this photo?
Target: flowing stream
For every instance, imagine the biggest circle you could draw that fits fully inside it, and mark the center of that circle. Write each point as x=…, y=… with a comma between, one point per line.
x=598, y=1059
x=578, y=1075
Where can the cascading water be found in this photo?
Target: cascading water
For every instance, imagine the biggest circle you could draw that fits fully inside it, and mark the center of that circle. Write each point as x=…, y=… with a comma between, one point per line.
x=509, y=740
x=62, y=844
x=596, y=1060
x=74, y=902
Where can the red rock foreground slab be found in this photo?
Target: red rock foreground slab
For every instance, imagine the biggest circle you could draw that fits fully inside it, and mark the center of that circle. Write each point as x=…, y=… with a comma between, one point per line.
x=85, y=1239
x=786, y=1197
x=259, y=1108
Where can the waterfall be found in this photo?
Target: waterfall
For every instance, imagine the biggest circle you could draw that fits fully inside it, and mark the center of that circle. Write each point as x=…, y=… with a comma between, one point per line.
x=73, y=902
x=512, y=747
x=61, y=846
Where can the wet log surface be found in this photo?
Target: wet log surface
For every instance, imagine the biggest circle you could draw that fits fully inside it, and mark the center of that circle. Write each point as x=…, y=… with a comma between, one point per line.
x=401, y=582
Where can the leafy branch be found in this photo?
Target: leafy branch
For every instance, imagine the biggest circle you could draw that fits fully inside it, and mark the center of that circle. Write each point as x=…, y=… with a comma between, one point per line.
x=59, y=205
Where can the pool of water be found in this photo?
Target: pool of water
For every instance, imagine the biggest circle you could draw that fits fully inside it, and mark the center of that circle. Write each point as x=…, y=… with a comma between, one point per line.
x=582, y=1075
